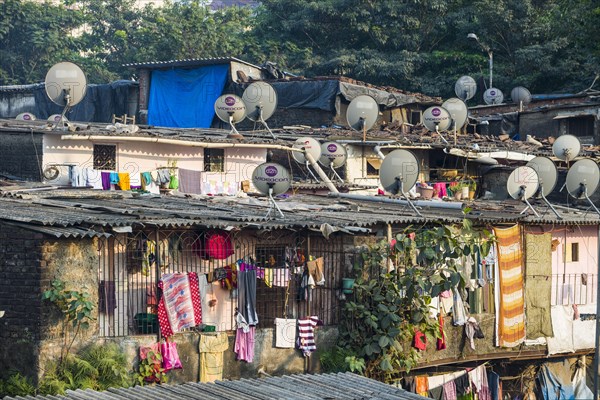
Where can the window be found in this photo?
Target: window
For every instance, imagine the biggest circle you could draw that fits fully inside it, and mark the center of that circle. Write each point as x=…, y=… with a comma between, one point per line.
x=572, y=252
x=214, y=160
x=105, y=157
x=581, y=126
x=373, y=165
x=415, y=117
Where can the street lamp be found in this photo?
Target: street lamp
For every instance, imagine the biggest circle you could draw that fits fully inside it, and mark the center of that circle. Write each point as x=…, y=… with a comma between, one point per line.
x=486, y=49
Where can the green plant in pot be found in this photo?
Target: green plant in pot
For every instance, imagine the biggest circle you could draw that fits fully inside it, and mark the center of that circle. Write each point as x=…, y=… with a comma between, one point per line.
x=150, y=369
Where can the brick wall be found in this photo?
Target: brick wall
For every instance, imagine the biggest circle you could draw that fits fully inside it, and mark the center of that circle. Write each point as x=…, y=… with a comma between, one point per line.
x=20, y=298
x=21, y=155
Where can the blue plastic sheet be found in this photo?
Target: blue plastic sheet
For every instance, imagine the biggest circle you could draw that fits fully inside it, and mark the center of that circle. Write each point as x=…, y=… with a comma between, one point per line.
x=185, y=98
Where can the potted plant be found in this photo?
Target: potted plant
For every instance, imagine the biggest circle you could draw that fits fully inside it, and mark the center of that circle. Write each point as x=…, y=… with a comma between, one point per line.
x=472, y=189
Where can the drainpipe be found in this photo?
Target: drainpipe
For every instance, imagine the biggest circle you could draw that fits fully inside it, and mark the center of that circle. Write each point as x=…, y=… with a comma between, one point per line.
x=597, y=353
x=377, y=150
x=453, y=205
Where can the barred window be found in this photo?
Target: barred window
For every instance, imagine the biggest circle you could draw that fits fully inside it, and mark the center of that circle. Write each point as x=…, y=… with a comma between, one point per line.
x=214, y=160
x=105, y=157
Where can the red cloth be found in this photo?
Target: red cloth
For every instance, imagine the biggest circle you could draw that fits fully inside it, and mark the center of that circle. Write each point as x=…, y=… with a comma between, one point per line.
x=441, y=342
x=420, y=341
x=179, y=305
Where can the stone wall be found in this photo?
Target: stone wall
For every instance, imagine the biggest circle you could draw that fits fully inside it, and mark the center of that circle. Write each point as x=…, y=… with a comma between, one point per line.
x=21, y=155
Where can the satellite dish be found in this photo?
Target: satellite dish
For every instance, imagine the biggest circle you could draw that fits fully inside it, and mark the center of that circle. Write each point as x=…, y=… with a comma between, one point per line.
x=566, y=147
x=362, y=113
x=65, y=84
x=548, y=176
x=312, y=148
x=458, y=111
x=523, y=183
x=26, y=117
x=582, y=180
x=55, y=118
x=333, y=155
x=493, y=96
x=437, y=119
x=520, y=95
x=231, y=109
x=271, y=179
x=465, y=88
x=399, y=172
x=261, y=101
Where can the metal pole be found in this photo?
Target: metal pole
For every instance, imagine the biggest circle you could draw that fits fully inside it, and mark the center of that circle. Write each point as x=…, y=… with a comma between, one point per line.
x=597, y=352
x=491, y=55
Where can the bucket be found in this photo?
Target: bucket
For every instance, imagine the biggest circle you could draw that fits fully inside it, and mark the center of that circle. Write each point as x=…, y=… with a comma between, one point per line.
x=347, y=285
x=426, y=192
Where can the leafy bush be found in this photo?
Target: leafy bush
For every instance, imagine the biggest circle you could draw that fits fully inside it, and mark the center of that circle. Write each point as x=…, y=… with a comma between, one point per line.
x=16, y=385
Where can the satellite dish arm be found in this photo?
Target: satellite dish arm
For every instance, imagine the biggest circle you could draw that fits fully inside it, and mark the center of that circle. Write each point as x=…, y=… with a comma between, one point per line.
x=437, y=129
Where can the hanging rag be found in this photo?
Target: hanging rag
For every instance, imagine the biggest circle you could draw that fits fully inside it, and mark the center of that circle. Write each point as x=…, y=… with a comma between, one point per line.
x=105, y=176
x=420, y=340
x=459, y=316
x=306, y=335
x=441, y=342
x=247, y=296
x=472, y=331
x=285, y=333
x=211, y=348
x=244, y=344
x=124, y=182
x=179, y=307
x=315, y=269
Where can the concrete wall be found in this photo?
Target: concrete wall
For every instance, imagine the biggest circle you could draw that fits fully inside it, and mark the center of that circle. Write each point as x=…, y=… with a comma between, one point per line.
x=21, y=155
x=134, y=157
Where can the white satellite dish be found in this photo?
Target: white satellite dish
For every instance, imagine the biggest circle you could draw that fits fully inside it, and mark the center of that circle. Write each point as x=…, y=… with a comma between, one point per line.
x=465, y=88
x=493, y=96
x=333, y=155
x=520, y=95
x=566, y=147
x=362, y=113
x=523, y=183
x=548, y=176
x=458, y=111
x=231, y=109
x=271, y=179
x=261, y=101
x=65, y=85
x=26, y=116
x=437, y=119
x=55, y=118
x=582, y=180
x=399, y=172
x=312, y=148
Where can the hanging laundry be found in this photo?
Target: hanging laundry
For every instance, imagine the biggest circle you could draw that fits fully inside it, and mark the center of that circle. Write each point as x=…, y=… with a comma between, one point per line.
x=179, y=306
x=281, y=277
x=163, y=176
x=244, y=339
x=459, y=316
x=190, y=181
x=105, y=177
x=285, y=333
x=76, y=177
x=441, y=342
x=315, y=268
x=473, y=331
x=124, y=183
x=450, y=391
x=114, y=178
x=92, y=178
x=306, y=335
x=211, y=348
x=247, y=296
x=217, y=245
x=107, y=301
x=420, y=340
x=421, y=385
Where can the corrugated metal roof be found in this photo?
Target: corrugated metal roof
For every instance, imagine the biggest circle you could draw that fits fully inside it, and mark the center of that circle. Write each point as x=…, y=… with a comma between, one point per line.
x=191, y=62
x=343, y=386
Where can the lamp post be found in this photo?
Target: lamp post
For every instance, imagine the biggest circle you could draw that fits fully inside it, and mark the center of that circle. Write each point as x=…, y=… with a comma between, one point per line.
x=488, y=50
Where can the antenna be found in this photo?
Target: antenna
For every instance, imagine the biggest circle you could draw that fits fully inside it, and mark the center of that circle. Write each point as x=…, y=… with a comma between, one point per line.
x=465, y=88
x=566, y=147
x=582, y=180
x=523, y=183
x=261, y=101
x=271, y=179
x=231, y=109
x=66, y=86
x=26, y=116
x=458, y=111
x=437, y=119
x=520, y=95
x=548, y=176
x=399, y=170
x=310, y=146
x=333, y=155
x=493, y=96
x=362, y=114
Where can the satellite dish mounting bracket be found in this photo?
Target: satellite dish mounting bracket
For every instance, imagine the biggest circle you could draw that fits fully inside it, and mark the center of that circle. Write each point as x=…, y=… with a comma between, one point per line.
x=67, y=97
x=261, y=120
x=273, y=204
x=334, y=172
x=541, y=191
x=307, y=164
x=522, y=197
x=437, y=130
x=583, y=190
x=400, y=183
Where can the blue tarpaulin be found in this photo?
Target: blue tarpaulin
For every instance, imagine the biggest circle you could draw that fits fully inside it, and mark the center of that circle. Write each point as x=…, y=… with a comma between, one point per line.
x=185, y=98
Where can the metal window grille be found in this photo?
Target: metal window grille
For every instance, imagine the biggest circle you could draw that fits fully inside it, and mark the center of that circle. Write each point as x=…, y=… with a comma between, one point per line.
x=214, y=160
x=131, y=265
x=105, y=157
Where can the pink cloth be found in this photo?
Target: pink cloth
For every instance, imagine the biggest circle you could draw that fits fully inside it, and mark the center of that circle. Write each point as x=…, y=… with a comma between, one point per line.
x=179, y=305
x=449, y=391
x=244, y=344
x=440, y=187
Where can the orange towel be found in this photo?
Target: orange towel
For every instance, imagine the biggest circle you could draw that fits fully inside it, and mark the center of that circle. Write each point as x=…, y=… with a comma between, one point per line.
x=124, y=181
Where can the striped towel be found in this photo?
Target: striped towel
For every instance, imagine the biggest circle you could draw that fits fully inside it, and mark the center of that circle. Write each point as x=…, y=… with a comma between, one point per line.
x=306, y=335
x=510, y=318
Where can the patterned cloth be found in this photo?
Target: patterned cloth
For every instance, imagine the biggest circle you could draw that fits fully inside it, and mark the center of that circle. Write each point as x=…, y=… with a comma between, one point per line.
x=306, y=335
x=510, y=317
x=538, y=288
x=179, y=306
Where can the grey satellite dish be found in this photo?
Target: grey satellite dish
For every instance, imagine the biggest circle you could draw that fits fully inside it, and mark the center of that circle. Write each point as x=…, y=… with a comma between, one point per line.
x=231, y=109
x=465, y=88
x=582, y=180
x=261, y=101
x=520, y=95
x=55, y=118
x=362, y=113
x=271, y=179
x=26, y=116
x=566, y=147
x=310, y=155
x=333, y=155
x=547, y=175
x=437, y=119
x=523, y=183
x=399, y=172
x=458, y=111
x=493, y=96
x=65, y=84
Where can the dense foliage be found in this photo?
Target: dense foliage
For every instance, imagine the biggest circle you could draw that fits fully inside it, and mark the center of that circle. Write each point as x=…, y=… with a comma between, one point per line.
x=421, y=45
